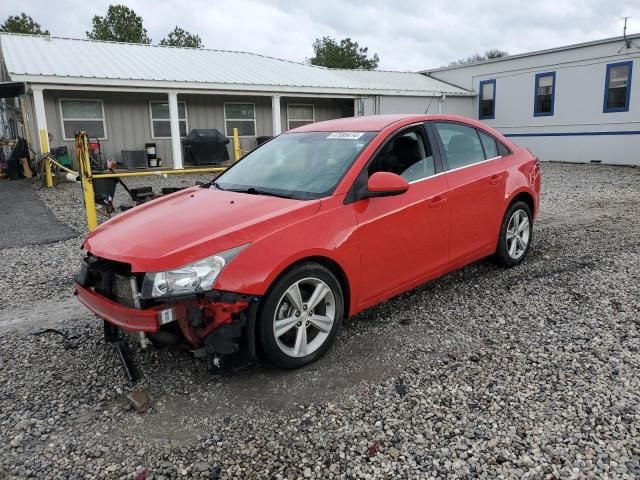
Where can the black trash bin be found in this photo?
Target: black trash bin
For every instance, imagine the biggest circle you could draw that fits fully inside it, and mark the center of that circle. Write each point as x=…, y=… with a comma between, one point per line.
x=205, y=146
x=104, y=189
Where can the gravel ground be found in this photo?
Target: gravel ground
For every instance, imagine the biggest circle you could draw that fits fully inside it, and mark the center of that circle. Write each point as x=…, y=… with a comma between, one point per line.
x=531, y=372
x=31, y=273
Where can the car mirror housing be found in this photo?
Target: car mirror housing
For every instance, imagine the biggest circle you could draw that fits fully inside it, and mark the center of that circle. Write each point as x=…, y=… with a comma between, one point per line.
x=384, y=184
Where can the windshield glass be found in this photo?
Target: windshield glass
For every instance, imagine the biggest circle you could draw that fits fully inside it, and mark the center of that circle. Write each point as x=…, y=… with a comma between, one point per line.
x=296, y=165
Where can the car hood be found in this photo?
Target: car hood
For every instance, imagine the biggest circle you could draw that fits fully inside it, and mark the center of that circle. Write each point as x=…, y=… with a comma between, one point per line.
x=192, y=224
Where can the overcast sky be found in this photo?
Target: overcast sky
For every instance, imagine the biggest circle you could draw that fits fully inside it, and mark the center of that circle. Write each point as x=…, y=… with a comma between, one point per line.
x=407, y=35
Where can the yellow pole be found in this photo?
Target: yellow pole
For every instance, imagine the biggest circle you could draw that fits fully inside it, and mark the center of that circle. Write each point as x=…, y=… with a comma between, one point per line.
x=160, y=173
x=44, y=147
x=44, y=141
x=82, y=153
x=47, y=172
x=237, y=151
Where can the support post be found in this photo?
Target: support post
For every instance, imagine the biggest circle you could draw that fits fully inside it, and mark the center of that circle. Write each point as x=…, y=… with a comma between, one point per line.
x=82, y=154
x=275, y=112
x=237, y=149
x=41, y=119
x=176, y=147
x=47, y=172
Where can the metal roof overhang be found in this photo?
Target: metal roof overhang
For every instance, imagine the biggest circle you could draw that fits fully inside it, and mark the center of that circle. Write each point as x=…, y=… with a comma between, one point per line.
x=97, y=84
x=11, y=89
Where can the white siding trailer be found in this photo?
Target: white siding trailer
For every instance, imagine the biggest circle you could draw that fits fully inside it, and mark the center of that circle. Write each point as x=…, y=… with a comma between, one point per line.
x=579, y=103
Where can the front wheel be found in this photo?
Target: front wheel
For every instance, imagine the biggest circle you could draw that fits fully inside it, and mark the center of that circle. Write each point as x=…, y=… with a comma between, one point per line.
x=516, y=234
x=301, y=315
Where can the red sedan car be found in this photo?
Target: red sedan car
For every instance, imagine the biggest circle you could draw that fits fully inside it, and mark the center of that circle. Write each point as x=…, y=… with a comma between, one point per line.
x=308, y=229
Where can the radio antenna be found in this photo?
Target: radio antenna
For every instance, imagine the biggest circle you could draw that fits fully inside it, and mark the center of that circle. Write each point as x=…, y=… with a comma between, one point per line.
x=627, y=41
x=624, y=33
x=427, y=110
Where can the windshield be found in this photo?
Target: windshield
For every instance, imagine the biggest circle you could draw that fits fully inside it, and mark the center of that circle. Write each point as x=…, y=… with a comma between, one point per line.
x=296, y=165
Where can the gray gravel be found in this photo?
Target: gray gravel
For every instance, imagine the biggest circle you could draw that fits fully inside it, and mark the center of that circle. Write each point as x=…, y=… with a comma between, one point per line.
x=531, y=372
x=30, y=273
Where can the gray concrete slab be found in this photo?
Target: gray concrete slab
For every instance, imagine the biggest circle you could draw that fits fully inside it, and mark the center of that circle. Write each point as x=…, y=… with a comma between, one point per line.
x=25, y=219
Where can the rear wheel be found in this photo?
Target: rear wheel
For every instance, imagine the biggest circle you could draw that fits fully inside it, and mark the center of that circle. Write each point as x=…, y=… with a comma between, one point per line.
x=301, y=316
x=516, y=234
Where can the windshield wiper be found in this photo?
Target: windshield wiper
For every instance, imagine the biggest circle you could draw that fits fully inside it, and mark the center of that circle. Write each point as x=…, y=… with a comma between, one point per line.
x=217, y=185
x=256, y=191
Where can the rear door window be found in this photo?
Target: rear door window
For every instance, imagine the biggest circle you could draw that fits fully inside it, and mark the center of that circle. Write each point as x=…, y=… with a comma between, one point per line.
x=503, y=150
x=489, y=144
x=462, y=146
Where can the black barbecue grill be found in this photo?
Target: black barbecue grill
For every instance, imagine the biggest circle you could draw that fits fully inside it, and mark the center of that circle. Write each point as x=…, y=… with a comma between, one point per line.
x=205, y=146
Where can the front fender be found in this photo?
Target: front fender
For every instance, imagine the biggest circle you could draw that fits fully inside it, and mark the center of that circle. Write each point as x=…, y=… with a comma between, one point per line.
x=328, y=234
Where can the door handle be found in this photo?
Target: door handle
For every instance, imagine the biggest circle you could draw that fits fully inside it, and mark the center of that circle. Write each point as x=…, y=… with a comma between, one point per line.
x=437, y=202
x=495, y=179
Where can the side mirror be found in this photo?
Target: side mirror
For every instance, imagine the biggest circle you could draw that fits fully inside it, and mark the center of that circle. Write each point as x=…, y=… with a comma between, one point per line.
x=384, y=184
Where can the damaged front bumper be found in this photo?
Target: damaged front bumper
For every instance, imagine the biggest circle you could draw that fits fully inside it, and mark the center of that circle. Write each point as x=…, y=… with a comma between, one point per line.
x=209, y=323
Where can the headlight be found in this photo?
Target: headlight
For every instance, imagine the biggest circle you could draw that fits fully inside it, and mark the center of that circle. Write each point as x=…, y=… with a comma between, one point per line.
x=192, y=278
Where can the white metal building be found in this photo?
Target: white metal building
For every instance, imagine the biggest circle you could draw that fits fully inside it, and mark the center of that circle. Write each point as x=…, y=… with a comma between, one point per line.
x=576, y=103
x=130, y=94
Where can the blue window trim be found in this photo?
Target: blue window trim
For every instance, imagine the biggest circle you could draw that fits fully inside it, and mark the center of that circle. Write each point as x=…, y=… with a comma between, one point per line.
x=493, y=114
x=574, y=134
x=606, y=87
x=536, y=113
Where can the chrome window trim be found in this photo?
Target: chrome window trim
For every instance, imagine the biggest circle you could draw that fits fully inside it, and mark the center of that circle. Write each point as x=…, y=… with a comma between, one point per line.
x=456, y=169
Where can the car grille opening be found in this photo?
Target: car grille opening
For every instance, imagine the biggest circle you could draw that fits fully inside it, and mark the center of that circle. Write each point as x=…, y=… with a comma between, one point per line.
x=114, y=281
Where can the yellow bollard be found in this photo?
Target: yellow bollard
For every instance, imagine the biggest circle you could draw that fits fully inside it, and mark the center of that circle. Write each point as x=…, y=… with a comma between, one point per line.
x=237, y=151
x=47, y=172
x=82, y=153
x=44, y=148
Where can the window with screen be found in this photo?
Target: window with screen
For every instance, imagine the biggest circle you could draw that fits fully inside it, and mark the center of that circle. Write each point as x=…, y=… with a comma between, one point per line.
x=618, y=87
x=461, y=144
x=545, y=93
x=241, y=116
x=86, y=115
x=160, y=122
x=487, y=99
x=299, y=115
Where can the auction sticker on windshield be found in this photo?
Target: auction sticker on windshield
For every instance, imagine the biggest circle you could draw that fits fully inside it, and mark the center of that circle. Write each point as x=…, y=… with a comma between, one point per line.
x=346, y=135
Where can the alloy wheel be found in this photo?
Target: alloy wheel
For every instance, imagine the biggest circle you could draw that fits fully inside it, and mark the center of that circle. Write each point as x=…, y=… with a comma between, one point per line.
x=518, y=233
x=304, y=317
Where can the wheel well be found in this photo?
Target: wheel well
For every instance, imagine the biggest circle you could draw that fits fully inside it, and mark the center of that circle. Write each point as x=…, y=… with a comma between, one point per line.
x=335, y=269
x=526, y=198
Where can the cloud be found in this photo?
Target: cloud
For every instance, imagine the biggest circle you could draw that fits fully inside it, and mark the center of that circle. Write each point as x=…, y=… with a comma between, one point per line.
x=407, y=35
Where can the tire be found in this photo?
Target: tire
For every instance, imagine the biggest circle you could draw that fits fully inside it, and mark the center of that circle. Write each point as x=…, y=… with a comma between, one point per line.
x=305, y=331
x=506, y=254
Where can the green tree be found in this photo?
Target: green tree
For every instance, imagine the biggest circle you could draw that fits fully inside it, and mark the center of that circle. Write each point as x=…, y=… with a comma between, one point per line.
x=179, y=37
x=120, y=24
x=477, y=57
x=22, y=23
x=346, y=54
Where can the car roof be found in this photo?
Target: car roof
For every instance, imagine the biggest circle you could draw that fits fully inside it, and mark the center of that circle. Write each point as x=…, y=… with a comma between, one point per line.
x=376, y=123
